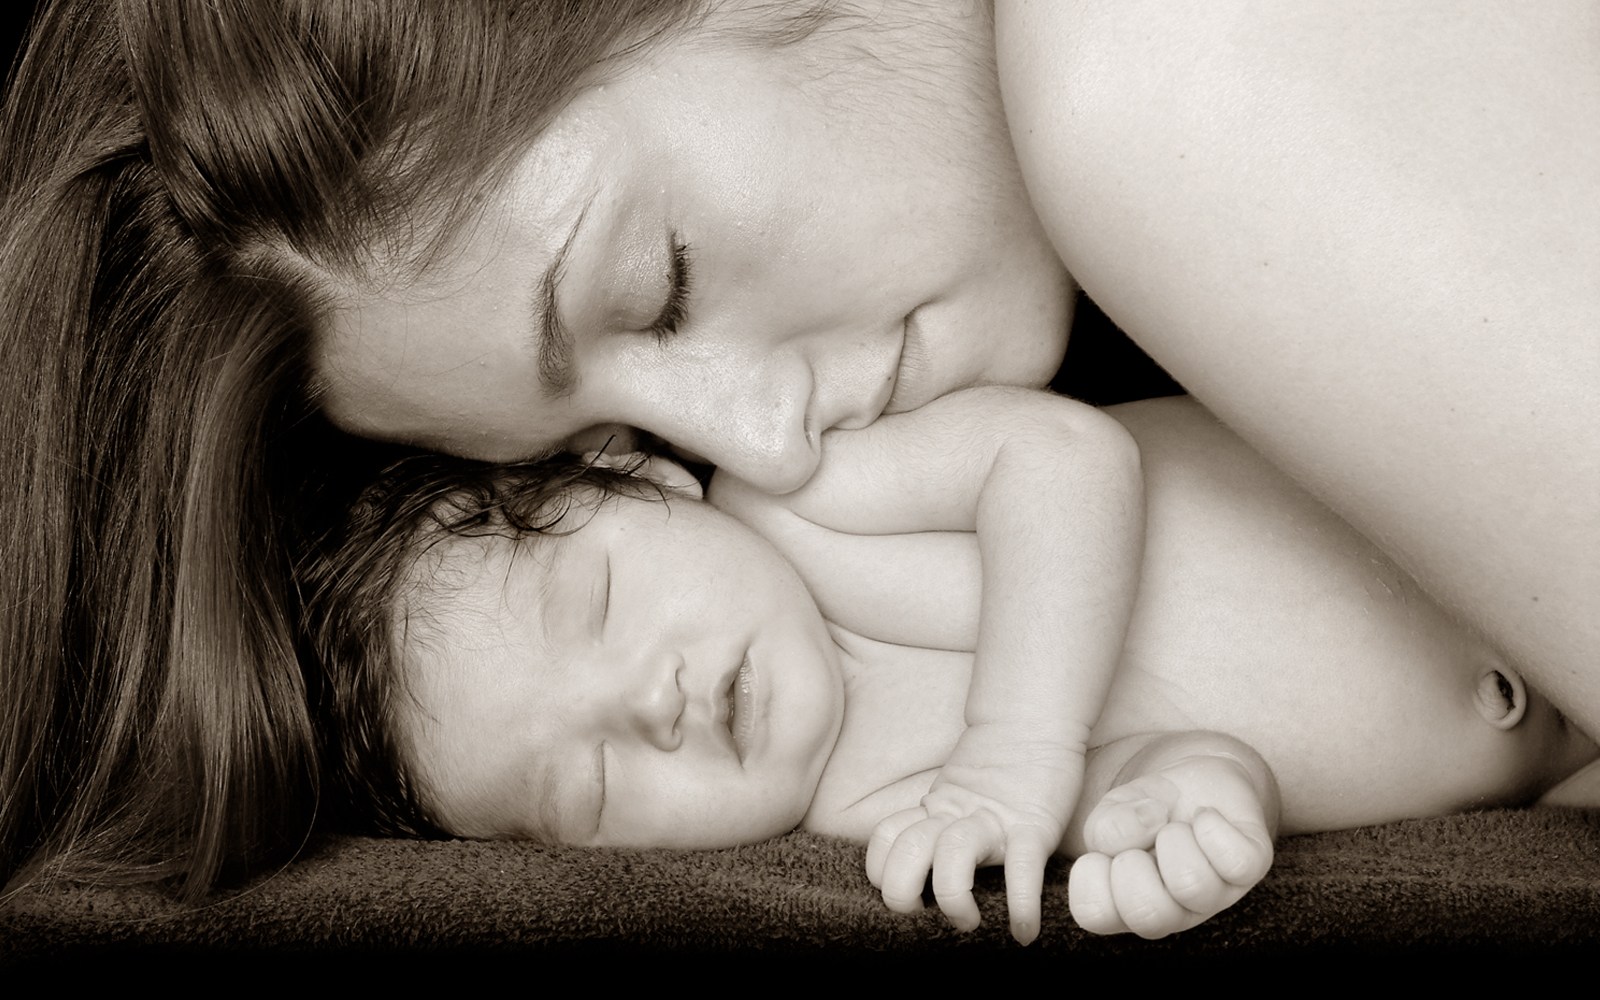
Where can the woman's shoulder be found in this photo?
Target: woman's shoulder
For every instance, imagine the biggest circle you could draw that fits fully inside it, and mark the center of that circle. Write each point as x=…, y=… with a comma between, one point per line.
x=1138, y=125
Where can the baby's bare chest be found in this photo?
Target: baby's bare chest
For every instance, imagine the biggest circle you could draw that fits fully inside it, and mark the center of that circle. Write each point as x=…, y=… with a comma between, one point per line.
x=904, y=710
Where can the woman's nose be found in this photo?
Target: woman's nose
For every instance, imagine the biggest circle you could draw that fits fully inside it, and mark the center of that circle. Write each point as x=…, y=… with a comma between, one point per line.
x=654, y=702
x=764, y=438
x=746, y=415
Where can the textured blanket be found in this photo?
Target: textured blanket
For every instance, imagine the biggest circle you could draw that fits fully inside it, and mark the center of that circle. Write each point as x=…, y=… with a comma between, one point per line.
x=1492, y=885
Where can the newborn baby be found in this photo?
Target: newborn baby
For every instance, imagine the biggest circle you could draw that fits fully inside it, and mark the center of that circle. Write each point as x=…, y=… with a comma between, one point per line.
x=604, y=659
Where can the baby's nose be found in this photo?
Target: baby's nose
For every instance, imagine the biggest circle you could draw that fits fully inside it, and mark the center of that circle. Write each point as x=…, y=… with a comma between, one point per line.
x=655, y=703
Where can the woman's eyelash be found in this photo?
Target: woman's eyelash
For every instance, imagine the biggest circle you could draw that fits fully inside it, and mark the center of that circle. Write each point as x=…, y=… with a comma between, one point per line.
x=676, y=309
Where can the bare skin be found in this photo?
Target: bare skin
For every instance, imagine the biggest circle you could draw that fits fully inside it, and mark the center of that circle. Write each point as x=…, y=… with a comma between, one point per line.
x=1363, y=235
x=1366, y=238
x=662, y=676
x=1273, y=655
x=1254, y=603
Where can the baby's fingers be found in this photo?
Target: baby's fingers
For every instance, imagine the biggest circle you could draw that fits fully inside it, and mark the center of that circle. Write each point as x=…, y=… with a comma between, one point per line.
x=1089, y=896
x=1240, y=851
x=907, y=864
x=1188, y=873
x=1027, y=853
x=1210, y=876
x=964, y=846
x=884, y=835
x=1109, y=895
x=1126, y=819
x=1142, y=898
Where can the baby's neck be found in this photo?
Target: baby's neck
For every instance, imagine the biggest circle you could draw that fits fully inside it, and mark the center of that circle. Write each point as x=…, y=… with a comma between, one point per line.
x=904, y=710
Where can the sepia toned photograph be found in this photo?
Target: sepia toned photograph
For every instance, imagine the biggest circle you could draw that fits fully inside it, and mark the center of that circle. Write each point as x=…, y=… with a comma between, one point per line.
x=932, y=484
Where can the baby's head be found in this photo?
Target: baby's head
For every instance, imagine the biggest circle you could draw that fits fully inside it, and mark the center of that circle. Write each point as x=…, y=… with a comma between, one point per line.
x=569, y=653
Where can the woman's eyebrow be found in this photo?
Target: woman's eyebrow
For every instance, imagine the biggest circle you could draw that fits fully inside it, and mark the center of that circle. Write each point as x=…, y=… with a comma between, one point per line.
x=552, y=336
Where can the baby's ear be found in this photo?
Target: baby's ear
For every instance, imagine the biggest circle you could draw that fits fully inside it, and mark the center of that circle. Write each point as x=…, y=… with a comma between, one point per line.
x=1501, y=697
x=659, y=469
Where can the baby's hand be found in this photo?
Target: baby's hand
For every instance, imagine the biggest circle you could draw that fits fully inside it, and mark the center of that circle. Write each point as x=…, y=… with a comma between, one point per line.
x=1000, y=799
x=1171, y=848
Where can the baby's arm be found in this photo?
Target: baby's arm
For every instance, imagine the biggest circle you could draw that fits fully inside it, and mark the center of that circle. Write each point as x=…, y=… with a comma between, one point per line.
x=1184, y=831
x=1054, y=492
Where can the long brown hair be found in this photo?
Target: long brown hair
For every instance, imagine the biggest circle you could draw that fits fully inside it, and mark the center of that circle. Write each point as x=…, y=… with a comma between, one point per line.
x=163, y=163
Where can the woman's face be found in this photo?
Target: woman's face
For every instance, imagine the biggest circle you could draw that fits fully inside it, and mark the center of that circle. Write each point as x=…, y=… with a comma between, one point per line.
x=734, y=247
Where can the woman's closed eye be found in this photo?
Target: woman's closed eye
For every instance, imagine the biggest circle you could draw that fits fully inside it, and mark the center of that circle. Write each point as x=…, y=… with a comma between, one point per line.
x=675, y=310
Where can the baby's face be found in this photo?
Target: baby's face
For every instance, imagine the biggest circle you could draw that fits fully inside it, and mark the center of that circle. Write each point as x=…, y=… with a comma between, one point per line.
x=657, y=677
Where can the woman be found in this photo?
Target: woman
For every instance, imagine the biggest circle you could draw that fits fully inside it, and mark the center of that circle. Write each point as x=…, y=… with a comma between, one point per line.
x=1368, y=243
x=500, y=230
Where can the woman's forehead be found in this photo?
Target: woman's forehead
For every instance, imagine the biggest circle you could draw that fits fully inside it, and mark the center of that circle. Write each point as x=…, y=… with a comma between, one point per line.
x=439, y=363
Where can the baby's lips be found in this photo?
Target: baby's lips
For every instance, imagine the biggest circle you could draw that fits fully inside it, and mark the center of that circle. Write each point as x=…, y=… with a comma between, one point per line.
x=742, y=721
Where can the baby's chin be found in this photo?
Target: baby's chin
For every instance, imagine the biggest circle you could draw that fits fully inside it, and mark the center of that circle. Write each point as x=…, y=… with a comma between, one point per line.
x=796, y=801
x=737, y=832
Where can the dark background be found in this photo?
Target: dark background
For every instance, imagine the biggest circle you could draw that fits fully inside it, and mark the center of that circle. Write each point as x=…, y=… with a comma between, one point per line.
x=12, y=29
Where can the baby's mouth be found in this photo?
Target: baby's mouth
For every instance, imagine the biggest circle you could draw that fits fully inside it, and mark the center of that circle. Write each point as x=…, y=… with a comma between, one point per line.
x=909, y=370
x=741, y=708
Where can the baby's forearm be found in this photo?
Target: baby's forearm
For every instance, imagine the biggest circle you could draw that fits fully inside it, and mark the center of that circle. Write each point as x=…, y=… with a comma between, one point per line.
x=1054, y=492
x=1060, y=526
x=1126, y=760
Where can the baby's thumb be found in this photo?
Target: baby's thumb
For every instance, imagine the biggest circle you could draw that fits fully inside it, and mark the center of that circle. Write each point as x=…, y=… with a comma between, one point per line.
x=1114, y=827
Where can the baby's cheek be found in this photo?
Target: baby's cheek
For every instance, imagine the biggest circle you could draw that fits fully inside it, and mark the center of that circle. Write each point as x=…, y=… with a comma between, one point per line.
x=735, y=497
x=782, y=810
x=791, y=818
